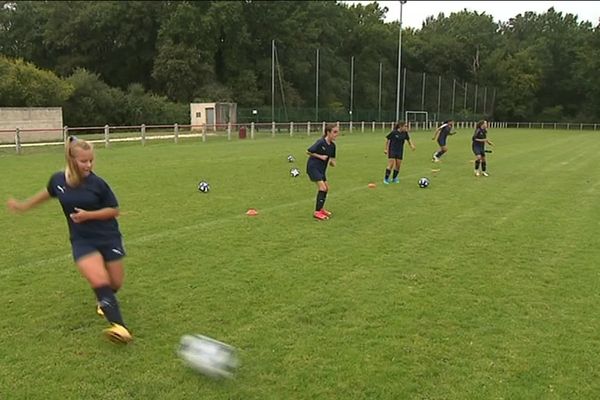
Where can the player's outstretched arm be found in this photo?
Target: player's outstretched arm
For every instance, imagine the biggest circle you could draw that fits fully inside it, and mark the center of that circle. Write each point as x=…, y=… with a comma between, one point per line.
x=22, y=206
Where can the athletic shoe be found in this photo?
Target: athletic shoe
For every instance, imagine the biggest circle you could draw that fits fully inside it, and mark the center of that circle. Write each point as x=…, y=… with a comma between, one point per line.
x=484, y=173
x=320, y=215
x=434, y=158
x=386, y=181
x=99, y=311
x=324, y=211
x=477, y=172
x=396, y=180
x=118, y=334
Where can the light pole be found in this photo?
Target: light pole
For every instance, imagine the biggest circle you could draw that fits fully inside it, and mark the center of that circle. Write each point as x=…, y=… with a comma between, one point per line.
x=402, y=2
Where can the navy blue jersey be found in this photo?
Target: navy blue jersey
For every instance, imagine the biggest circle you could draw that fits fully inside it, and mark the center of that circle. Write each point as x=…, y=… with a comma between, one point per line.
x=320, y=147
x=444, y=132
x=479, y=134
x=92, y=194
x=397, y=139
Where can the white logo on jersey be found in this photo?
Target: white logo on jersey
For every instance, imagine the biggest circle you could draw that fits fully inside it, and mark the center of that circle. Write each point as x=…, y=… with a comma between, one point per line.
x=62, y=190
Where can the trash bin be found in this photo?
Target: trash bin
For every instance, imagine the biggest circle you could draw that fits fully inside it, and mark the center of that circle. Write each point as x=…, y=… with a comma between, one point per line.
x=242, y=134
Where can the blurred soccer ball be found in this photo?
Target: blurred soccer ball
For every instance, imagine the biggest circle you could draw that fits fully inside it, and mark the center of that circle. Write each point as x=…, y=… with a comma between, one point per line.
x=295, y=172
x=291, y=158
x=204, y=187
x=208, y=356
x=423, y=183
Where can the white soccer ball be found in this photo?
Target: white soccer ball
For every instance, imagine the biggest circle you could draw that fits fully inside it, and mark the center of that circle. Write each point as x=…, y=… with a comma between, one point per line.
x=291, y=158
x=295, y=172
x=208, y=356
x=423, y=183
x=204, y=187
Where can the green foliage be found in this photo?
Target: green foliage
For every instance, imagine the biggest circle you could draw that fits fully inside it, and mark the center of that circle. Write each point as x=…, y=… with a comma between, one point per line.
x=22, y=84
x=221, y=51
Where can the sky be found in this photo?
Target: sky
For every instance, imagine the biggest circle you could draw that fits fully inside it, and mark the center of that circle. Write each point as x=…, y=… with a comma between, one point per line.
x=415, y=12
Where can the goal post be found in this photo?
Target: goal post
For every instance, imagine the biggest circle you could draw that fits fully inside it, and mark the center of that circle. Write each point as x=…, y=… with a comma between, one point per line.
x=417, y=119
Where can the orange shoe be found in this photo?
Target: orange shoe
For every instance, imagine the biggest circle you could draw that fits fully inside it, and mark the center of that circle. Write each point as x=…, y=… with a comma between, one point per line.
x=324, y=211
x=320, y=215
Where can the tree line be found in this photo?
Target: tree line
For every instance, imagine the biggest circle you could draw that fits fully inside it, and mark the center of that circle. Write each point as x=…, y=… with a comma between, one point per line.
x=144, y=61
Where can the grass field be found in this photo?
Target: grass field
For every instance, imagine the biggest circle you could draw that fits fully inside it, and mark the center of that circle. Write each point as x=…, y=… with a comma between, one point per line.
x=475, y=288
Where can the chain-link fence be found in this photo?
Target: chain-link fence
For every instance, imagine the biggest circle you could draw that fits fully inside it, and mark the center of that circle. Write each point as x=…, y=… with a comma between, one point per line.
x=442, y=97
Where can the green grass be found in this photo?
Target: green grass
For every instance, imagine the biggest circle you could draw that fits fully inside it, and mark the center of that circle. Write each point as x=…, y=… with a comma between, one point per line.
x=475, y=288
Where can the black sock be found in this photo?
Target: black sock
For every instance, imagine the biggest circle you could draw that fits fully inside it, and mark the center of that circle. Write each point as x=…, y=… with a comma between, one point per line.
x=320, y=200
x=440, y=153
x=396, y=173
x=483, y=165
x=387, y=173
x=477, y=162
x=109, y=304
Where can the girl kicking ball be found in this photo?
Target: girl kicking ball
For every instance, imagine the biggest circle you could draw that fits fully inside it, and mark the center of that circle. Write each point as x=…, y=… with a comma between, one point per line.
x=91, y=210
x=394, y=148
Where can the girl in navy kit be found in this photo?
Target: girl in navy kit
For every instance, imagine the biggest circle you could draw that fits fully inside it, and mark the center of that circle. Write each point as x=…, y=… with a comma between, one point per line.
x=91, y=209
x=321, y=154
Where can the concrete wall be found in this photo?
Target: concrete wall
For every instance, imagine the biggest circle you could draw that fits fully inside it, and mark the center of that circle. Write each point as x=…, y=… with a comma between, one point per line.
x=37, y=124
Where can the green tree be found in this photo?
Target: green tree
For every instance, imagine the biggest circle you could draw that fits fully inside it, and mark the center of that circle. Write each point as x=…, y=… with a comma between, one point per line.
x=25, y=85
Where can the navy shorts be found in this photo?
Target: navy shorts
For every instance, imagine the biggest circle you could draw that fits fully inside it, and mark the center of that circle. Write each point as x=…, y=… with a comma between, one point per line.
x=395, y=155
x=315, y=174
x=479, y=151
x=442, y=142
x=110, y=250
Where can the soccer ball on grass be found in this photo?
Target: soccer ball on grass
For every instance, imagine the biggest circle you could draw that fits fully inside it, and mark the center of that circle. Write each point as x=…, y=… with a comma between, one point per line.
x=423, y=183
x=204, y=187
x=208, y=356
x=294, y=172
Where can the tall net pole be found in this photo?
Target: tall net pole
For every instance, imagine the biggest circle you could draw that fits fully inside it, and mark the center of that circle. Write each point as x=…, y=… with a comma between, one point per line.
x=317, y=89
x=273, y=80
x=399, y=63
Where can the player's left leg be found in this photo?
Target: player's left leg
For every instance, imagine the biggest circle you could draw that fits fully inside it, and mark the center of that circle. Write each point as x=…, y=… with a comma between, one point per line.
x=397, y=163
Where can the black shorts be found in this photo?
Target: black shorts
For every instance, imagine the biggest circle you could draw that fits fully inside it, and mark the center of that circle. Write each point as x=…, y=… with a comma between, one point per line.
x=479, y=151
x=442, y=142
x=395, y=155
x=316, y=174
x=110, y=250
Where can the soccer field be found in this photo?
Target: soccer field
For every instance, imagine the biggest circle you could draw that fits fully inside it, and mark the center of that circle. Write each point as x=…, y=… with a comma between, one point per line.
x=474, y=288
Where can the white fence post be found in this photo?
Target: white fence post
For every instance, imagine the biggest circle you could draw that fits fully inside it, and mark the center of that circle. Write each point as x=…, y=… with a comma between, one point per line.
x=176, y=133
x=350, y=126
x=106, y=135
x=273, y=128
x=252, y=130
x=143, y=132
x=18, y=140
x=229, y=131
x=308, y=128
x=336, y=124
x=65, y=133
x=204, y=132
x=323, y=129
x=373, y=127
x=362, y=126
x=291, y=129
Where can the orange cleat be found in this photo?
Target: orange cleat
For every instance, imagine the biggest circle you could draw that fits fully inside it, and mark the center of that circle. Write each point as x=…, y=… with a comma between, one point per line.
x=320, y=215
